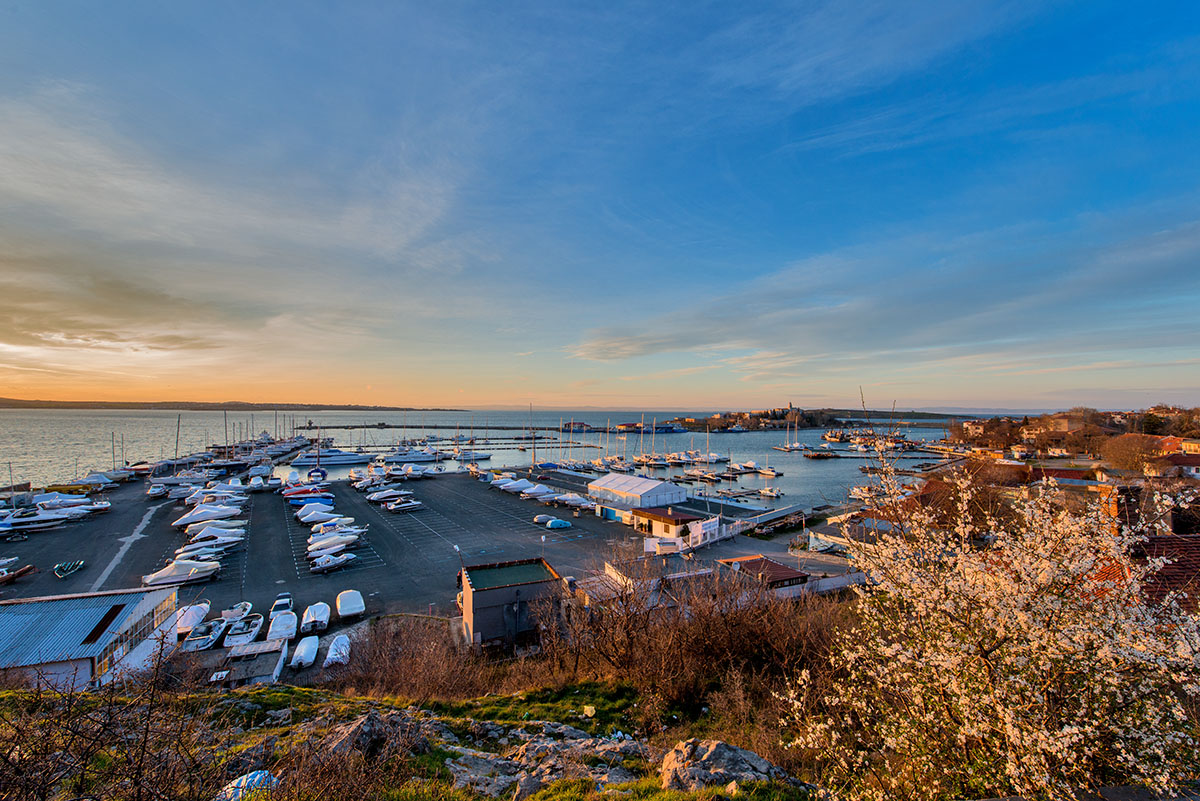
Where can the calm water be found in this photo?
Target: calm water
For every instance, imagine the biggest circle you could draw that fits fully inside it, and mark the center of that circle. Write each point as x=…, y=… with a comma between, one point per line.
x=49, y=445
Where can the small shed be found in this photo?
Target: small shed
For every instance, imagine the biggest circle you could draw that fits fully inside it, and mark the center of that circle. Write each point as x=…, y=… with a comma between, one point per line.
x=635, y=492
x=496, y=599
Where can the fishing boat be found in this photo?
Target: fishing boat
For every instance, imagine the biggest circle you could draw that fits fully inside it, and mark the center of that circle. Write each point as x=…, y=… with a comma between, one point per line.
x=191, y=616
x=237, y=611
x=316, y=618
x=338, y=653
x=205, y=635
x=306, y=653
x=64, y=569
x=331, y=562
x=244, y=631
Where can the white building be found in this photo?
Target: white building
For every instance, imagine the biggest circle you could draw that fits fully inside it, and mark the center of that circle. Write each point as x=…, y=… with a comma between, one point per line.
x=85, y=640
x=635, y=492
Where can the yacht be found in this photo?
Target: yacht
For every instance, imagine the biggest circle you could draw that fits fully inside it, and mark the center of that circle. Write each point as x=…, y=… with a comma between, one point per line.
x=329, y=456
x=402, y=455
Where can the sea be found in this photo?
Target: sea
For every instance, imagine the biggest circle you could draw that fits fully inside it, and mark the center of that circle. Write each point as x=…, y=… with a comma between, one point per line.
x=48, y=445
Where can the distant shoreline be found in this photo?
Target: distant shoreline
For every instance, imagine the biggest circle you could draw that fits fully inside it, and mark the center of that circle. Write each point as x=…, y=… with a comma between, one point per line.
x=194, y=406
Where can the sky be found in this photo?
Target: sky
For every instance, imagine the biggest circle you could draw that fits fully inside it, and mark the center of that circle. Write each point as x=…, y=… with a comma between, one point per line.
x=622, y=205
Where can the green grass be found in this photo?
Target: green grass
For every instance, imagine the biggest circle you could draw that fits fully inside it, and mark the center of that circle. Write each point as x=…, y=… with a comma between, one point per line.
x=562, y=705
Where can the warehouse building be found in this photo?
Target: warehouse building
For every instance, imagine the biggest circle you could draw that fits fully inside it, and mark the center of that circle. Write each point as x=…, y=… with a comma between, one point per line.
x=85, y=640
x=635, y=492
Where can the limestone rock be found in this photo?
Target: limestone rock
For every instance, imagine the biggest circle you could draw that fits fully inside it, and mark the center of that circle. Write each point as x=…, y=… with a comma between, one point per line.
x=695, y=764
x=373, y=734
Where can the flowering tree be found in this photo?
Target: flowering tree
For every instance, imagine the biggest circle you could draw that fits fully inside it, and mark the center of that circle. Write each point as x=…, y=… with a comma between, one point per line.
x=1004, y=655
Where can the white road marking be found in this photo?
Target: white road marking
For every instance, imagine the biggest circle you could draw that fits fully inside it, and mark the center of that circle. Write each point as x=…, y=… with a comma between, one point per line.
x=126, y=543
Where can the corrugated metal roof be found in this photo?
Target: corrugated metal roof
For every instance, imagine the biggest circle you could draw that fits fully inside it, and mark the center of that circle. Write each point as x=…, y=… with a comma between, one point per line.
x=52, y=629
x=630, y=485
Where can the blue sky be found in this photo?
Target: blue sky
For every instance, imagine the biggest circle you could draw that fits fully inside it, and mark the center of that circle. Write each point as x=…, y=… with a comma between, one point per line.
x=637, y=205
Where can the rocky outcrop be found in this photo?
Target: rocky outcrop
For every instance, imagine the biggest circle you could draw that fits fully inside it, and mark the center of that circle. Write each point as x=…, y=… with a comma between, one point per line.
x=374, y=734
x=696, y=764
x=551, y=752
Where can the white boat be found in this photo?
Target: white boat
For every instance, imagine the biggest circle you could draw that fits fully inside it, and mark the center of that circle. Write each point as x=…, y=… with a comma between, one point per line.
x=283, y=626
x=329, y=456
x=309, y=508
x=536, y=491
x=205, y=550
x=384, y=496
x=334, y=527
x=404, y=506
x=770, y=492
x=191, y=616
x=244, y=631
x=331, y=562
x=350, y=604
x=210, y=526
x=332, y=550
x=306, y=653
x=237, y=611
x=319, y=517
x=205, y=513
x=33, y=519
x=182, y=571
x=9, y=561
x=471, y=456
x=156, y=491
x=316, y=618
x=517, y=487
x=205, y=635
x=409, y=455
x=770, y=472
x=328, y=542
x=338, y=653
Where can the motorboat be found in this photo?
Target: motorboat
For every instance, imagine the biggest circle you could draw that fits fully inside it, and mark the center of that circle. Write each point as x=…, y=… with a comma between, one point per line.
x=350, y=604
x=227, y=524
x=305, y=654
x=316, y=618
x=329, y=456
x=33, y=519
x=383, y=496
x=205, y=635
x=409, y=456
x=310, y=507
x=311, y=500
x=318, y=517
x=283, y=626
x=205, y=513
x=537, y=491
x=182, y=571
x=191, y=616
x=770, y=472
x=335, y=527
x=770, y=492
x=9, y=561
x=331, y=562
x=244, y=631
x=471, y=456
x=338, y=653
x=404, y=506
x=206, y=549
x=517, y=487
x=329, y=542
x=332, y=550
x=237, y=611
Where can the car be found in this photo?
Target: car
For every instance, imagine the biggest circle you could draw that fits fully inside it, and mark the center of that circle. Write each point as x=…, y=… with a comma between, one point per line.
x=542, y=477
x=283, y=603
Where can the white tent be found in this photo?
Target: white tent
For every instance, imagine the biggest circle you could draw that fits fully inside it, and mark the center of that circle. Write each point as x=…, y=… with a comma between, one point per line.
x=635, y=492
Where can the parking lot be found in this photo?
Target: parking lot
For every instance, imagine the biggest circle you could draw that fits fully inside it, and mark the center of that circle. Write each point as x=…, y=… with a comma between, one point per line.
x=406, y=563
